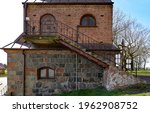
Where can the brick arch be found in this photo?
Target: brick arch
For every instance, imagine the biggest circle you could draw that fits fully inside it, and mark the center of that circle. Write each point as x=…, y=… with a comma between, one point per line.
x=47, y=24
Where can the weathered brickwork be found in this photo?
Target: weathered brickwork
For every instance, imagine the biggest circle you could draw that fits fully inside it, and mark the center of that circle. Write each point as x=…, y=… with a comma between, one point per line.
x=71, y=15
x=71, y=71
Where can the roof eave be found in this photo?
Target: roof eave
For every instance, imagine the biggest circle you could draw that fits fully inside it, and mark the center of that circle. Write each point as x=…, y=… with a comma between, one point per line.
x=71, y=3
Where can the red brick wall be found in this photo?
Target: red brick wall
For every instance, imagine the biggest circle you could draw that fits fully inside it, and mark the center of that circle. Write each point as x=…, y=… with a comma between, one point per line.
x=71, y=15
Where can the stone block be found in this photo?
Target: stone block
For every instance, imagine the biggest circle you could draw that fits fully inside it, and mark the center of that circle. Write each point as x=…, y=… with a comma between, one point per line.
x=51, y=90
x=72, y=86
x=11, y=65
x=64, y=85
x=36, y=91
x=60, y=70
x=86, y=79
x=57, y=91
x=100, y=75
x=62, y=65
x=72, y=79
x=19, y=73
x=38, y=84
x=11, y=73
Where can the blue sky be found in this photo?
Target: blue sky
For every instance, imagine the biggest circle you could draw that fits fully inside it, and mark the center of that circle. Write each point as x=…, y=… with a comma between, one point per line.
x=11, y=21
x=138, y=9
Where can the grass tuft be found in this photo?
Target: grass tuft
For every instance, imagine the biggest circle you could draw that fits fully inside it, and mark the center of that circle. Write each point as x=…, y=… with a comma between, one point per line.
x=134, y=90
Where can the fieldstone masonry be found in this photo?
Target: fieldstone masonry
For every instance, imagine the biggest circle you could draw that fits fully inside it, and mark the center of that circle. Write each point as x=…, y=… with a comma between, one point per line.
x=113, y=79
x=15, y=73
x=71, y=71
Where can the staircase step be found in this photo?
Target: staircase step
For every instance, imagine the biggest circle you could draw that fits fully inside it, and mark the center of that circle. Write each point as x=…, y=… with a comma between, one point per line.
x=84, y=50
x=90, y=53
x=95, y=55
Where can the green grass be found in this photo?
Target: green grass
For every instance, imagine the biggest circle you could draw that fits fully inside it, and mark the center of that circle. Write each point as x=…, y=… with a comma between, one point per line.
x=140, y=72
x=135, y=90
x=140, y=94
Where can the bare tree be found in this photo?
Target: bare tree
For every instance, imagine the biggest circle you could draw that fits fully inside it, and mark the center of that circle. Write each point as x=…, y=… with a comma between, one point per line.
x=120, y=23
x=135, y=36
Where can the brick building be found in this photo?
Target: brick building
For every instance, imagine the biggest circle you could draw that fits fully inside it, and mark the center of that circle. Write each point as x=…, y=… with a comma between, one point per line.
x=68, y=47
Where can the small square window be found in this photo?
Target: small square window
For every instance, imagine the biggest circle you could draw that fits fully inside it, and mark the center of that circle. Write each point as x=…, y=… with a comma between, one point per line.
x=46, y=73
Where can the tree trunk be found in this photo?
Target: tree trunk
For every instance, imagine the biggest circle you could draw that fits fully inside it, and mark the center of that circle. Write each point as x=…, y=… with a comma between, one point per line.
x=132, y=63
x=144, y=64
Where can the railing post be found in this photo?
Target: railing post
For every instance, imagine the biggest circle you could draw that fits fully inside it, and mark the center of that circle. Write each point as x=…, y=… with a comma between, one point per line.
x=77, y=35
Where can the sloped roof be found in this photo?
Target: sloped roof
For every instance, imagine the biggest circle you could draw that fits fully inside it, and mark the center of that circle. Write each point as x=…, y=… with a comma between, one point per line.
x=74, y=1
x=78, y=1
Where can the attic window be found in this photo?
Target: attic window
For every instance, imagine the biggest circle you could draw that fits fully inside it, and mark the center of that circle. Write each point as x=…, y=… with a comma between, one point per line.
x=88, y=20
x=46, y=73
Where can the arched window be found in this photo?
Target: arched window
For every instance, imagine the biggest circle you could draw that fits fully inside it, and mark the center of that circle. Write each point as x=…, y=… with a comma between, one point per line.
x=88, y=20
x=47, y=24
x=46, y=73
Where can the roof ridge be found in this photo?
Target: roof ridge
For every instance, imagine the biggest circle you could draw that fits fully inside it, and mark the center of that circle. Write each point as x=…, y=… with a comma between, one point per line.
x=74, y=1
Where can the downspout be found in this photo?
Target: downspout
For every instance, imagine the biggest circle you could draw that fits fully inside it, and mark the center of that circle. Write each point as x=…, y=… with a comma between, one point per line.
x=77, y=36
x=24, y=17
x=24, y=72
x=24, y=55
x=76, y=71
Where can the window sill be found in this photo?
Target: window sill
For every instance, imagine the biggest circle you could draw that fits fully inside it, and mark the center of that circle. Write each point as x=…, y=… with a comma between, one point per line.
x=45, y=78
x=87, y=26
x=53, y=79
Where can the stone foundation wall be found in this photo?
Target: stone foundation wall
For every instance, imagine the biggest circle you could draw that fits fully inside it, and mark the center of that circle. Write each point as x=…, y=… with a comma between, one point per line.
x=15, y=73
x=71, y=71
x=113, y=79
